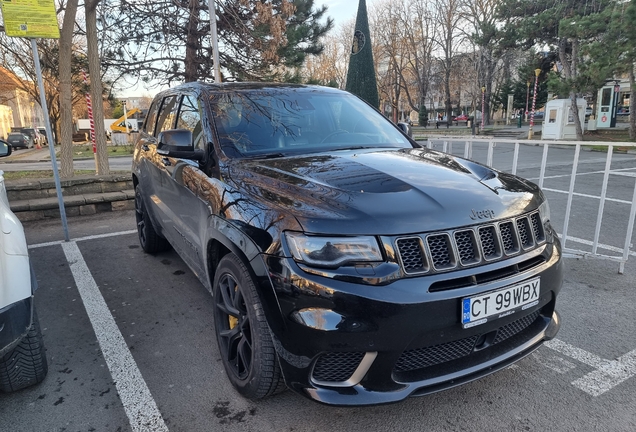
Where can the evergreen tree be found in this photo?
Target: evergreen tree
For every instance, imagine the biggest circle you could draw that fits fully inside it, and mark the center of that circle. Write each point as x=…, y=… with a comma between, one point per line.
x=167, y=42
x=567, y=27
x=423, y=116
x=361, y=79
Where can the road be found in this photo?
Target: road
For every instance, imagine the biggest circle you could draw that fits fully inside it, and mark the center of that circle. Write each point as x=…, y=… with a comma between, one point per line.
x=119, y=163
x=168, y=364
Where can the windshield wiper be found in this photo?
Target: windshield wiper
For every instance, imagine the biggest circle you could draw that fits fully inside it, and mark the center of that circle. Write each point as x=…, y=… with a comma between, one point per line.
x=267, y=156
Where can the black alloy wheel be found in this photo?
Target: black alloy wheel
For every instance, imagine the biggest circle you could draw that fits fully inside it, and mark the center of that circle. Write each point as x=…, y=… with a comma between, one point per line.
x=243, y=336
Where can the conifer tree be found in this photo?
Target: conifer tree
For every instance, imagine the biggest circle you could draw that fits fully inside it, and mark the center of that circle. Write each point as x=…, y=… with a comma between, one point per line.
x=361, y=79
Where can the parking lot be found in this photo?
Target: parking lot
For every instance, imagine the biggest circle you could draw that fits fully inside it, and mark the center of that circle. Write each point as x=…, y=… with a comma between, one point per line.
x=131, y=346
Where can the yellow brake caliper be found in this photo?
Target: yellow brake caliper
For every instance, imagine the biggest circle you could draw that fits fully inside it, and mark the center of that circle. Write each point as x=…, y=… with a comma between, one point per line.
x=233, y=321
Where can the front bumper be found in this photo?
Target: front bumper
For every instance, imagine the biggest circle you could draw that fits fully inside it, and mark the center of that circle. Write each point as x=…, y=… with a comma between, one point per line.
x=344, y=343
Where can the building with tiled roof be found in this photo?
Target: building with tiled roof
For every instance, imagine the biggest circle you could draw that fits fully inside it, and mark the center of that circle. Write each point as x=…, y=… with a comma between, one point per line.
x=17, y=107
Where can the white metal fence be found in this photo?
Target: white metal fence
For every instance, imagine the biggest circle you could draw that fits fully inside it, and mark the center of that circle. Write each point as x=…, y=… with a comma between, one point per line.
x=588, y=244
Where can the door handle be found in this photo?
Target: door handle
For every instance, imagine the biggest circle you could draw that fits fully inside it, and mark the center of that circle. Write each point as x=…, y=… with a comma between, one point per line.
x=145, y=147
x=166, y=161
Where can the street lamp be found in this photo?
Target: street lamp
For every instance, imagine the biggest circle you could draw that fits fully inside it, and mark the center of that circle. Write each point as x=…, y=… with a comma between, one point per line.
x=525, y=113
x=483, y=104
x=534, y=101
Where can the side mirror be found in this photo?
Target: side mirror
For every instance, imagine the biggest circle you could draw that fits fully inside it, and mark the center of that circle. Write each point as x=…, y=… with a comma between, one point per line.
x=178, y=143
x=406, y=128
x=5, y=149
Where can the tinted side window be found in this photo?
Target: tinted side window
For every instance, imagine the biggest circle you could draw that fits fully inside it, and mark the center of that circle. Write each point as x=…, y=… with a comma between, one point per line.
x=190, y=119
x=151, y=118
x=168, y=113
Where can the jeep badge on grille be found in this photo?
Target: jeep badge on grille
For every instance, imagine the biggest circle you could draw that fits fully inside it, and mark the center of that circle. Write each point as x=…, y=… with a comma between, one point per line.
x=482, y=214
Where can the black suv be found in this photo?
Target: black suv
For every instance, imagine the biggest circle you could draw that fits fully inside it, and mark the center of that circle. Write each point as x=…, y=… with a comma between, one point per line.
x=344, y=259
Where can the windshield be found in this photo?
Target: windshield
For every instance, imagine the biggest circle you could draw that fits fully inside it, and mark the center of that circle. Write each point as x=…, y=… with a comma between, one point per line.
x=278, y=122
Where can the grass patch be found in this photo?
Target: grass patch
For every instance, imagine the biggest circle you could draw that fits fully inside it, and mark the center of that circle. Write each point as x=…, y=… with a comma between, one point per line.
x=609, y=135
x=83, y=151
x=19, y=175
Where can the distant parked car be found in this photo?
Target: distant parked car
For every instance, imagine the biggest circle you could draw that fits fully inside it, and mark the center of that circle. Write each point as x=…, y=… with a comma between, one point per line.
x=18, y=139
x=461, y=118
x=623, y=111
x=538, y=114
x=35, y=135
x=45, y=140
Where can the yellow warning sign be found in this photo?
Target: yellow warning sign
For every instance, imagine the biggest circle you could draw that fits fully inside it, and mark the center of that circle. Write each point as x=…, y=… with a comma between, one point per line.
x=30, y=18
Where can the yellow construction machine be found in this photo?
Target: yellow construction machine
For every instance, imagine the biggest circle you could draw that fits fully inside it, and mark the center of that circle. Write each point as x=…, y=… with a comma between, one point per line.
x=119, y=125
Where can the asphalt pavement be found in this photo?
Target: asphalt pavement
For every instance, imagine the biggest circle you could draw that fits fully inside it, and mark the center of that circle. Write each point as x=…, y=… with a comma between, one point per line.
x=585, y=380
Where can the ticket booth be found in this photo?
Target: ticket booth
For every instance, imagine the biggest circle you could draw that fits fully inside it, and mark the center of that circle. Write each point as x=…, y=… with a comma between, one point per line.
x=606, y=106
x=558, y=123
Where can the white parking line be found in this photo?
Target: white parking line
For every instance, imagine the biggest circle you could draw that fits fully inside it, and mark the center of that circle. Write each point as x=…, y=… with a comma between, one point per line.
x=138, y=403
x=608, y=373
x=92, y=237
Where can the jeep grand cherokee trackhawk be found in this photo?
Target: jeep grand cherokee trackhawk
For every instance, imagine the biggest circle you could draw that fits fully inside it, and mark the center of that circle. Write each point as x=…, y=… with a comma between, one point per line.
x=344, y=260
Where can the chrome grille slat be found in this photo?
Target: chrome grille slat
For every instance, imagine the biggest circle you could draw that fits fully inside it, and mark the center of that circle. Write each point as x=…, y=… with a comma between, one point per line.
x=488, y=242
x=509, y=238
x=412, y=255
x=525, y=233
x=441, y=251
x=537, y=227
x=466, y=247
x=489, y=246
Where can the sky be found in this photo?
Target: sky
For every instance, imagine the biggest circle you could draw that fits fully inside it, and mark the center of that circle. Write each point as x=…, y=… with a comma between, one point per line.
x=340, y=10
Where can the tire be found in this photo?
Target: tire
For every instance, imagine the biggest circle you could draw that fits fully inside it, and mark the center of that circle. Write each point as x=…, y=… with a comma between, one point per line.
x=151, y=242
x=242, y=332
x=26, y=364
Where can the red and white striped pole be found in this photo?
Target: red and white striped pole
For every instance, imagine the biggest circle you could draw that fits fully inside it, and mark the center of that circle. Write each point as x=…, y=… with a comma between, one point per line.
x=89, y=107
x=483, y=107
x=534, y=103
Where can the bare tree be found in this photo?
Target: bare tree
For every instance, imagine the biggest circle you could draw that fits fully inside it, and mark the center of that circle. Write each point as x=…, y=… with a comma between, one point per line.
x=392, y=57
x=418, y=25
x=481, y=14
x=66, y=90
x=448, y=39
x=94, y=68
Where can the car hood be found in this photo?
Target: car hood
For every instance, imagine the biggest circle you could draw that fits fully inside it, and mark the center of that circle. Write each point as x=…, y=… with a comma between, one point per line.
x=384, y=191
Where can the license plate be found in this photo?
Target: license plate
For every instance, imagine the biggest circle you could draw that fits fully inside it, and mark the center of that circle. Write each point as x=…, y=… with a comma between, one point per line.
x=497, y=304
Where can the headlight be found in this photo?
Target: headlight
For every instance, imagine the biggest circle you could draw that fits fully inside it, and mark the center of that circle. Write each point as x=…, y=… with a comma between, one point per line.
x=544, y=212
x=332, y=251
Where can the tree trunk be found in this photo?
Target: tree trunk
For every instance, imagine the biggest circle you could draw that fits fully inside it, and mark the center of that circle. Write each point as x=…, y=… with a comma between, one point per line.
x=94, y=68
x=577, y=120
x=66, y=106
x=192, y=42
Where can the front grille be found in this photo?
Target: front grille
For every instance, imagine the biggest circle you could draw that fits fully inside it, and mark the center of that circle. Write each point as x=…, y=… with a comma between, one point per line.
x=509, y=330
x=470, y=246
x=466, y=247
x=440, y=249
x=411, y=255
x=537, y=227
x=488, y=238
x=524, y=232
x=336, y=367
x=430, y=356
x=508, y=238
x=420, y=358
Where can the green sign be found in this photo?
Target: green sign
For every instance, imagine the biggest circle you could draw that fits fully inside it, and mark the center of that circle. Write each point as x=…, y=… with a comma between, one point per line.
x=30, y=19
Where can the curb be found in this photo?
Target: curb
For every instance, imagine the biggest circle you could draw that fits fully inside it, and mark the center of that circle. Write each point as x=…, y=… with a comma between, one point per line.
x=36, y=199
